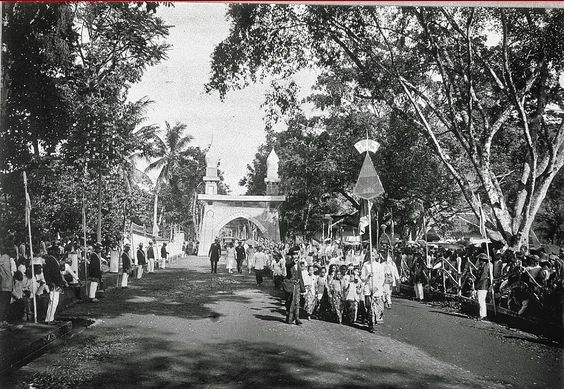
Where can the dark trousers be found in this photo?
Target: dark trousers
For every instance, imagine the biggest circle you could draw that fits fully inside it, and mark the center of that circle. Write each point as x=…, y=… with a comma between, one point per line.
x=350, y=309
x=258, y=275
x=288, y=300
x=5, y=298
x=278, y=281
x=239, y=265
x=213, y=266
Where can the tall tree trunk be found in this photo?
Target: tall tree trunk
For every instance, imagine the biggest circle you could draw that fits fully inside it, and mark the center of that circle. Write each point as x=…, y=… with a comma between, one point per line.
x=99, y=217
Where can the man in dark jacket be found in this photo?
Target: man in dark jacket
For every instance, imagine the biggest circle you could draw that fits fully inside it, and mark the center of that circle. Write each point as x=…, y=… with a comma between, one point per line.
x=419, y=276
x=483, y=282
x=150, y=258
x=95, y=271
x=214, y=254
x=164, y=256
x=240, y=256
x=54, y=280
x=125, y=265
x=141, y=259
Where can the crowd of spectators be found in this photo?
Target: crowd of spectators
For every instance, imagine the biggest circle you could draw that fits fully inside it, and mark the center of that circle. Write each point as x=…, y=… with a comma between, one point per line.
x=529, y=283
x=57, y=269
x=45, y=276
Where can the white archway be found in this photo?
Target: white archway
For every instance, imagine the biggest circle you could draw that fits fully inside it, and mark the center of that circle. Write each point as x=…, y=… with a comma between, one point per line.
x=237, y=215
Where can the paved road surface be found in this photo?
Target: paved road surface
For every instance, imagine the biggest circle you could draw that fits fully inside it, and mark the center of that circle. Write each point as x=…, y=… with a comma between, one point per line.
x=183, y=327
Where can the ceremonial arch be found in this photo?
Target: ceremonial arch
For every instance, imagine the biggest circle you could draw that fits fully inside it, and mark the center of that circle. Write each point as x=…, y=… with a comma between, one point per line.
x=246, y=217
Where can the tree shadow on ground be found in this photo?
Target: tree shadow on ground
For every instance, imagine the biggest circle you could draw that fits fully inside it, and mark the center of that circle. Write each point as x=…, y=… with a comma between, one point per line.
x=179, y=293
x=230, y=364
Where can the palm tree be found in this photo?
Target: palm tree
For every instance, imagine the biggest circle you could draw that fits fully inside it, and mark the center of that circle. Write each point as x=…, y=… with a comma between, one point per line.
x=135, y=143
x=169, y=153
x=141, y=141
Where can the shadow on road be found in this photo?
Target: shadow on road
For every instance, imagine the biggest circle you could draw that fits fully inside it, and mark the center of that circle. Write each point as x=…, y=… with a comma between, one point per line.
x=270, y=318
x=179, y=293
x=235, y=364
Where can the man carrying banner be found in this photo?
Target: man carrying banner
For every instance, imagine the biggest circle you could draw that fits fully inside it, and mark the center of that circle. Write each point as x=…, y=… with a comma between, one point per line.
x=368, y=187
x=373, y=278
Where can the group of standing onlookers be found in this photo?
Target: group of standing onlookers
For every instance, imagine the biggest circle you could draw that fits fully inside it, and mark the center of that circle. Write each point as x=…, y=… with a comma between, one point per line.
x=19, y=283
x=525, y=282
x=56, y=267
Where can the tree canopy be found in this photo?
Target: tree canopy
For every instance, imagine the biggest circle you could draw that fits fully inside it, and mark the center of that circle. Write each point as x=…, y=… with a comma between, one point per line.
x=480, y=85
x=66, y=72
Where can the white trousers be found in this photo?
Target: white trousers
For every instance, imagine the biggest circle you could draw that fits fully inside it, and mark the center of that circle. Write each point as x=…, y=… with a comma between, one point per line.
x=150, y=266
x=139, y=272
x=162, y=264
x=52, y=308
x=92, y=290
x=418, y=287
x=388, y=293
x=482, y=294
x=124, y=278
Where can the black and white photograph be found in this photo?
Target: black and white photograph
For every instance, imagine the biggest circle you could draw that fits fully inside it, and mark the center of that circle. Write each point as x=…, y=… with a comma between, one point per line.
x=281, y=194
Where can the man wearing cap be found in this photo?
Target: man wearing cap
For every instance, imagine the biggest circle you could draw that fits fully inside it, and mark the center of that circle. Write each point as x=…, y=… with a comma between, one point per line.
x=240, y=256
x=292, y=288
x=483, y=282
x=125, y=265
x=54, y=281
x=164, y=256
x=95, y=271
x=141, y=259
x=214, y=254
x=419, y=276
x=151, y=258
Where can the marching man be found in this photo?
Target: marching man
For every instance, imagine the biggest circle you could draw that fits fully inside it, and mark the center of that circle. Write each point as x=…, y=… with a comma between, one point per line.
x=373, y=278
x=391, y=277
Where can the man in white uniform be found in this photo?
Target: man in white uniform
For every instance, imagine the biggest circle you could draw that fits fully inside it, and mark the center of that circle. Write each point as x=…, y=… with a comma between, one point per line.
x=373, y=278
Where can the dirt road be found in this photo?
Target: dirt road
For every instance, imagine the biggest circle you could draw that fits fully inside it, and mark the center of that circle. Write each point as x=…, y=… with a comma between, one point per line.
x=183, y=327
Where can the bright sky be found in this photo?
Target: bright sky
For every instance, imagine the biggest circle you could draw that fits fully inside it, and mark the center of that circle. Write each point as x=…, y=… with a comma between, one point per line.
x=177, y=88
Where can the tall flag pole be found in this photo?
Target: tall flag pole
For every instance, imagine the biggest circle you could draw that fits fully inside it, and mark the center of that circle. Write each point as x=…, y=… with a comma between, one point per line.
x=368, y=187
x=393, y=242
x=28, y=224
x=84, y=229
x=484, y=234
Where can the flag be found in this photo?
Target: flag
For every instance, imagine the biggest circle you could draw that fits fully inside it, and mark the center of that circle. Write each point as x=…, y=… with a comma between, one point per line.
x=363, y=222
x=368, y=185
x=482, y=220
